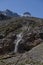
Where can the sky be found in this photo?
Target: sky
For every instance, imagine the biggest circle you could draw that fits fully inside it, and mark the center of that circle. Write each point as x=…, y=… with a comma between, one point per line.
x=35, y=7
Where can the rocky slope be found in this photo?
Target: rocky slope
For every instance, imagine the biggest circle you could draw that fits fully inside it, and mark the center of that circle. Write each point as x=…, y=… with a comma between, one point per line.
x=19, y=36
x=32, y=57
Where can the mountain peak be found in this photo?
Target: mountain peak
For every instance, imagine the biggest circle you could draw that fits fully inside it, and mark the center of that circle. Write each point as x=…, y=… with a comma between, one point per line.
x=7, y=10
x=9, y=13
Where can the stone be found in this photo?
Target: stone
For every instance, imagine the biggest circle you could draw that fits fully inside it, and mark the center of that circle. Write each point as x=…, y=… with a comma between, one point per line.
x=41, y=35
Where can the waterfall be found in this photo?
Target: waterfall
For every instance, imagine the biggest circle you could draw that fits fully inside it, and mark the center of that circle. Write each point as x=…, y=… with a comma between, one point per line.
x=19, y=37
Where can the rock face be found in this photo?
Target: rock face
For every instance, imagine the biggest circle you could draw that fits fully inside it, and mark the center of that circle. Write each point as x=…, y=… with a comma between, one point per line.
x=18, y=43
x=6, y=44
x=28, y=42
x=11, y=39
x=21, y=41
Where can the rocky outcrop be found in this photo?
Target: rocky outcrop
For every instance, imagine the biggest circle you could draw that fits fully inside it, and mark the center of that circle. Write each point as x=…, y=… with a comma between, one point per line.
x=29, y=41
x=6, y=44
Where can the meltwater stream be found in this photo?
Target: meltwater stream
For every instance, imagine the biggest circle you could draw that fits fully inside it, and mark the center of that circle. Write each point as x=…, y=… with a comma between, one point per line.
x=19, y=37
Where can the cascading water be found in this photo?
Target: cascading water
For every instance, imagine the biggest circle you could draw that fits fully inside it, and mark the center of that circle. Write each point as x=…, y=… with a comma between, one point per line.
x=19, y=37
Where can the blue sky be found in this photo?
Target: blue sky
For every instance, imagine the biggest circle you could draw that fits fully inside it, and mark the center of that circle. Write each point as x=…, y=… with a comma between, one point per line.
x=35, y=7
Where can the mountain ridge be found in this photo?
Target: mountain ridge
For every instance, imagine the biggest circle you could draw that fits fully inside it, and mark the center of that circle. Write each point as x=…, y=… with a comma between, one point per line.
x=8, y=13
